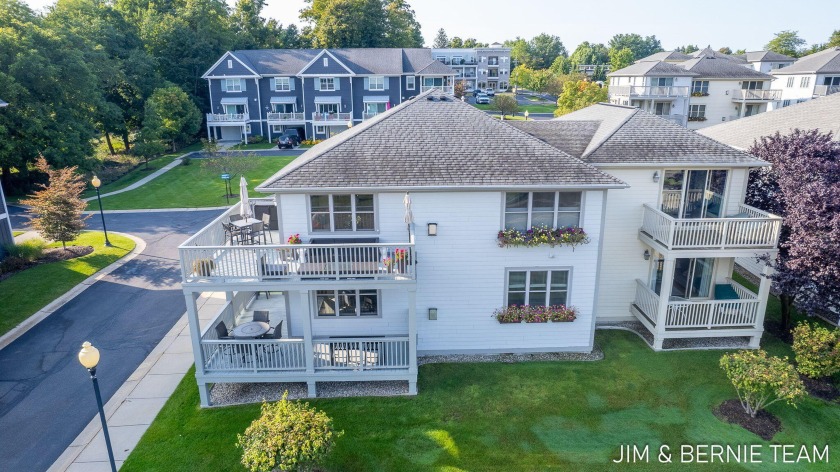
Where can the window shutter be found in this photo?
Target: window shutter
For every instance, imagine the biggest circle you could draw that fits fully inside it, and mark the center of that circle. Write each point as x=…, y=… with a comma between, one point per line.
x=337, y=82
x=386, y=80
x=291, y=83
x=317, y=83
x=367, y=83
x=273, y=83
x=243, y=82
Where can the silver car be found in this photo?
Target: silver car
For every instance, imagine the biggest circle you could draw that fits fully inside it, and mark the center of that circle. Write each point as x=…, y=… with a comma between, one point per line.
x=482, y=98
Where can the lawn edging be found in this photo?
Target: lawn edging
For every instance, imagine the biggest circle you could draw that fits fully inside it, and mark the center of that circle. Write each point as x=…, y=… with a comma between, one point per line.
x=27, y=324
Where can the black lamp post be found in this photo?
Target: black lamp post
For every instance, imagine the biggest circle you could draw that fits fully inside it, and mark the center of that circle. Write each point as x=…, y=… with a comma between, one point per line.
x=89, y=358
x=96, y=183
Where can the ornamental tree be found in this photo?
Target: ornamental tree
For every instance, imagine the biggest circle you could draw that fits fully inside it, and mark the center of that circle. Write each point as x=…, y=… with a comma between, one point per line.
x=817, y=350
x=579, y=94
x=287, y=436
x=506, y=104
x=803, y=186
x=760, y=380
x=57, y=206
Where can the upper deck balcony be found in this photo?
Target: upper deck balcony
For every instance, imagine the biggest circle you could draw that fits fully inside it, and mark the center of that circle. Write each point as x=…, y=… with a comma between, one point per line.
x=645, y=91
x=331, y=118
x=222, y=118
x=823, y=90
x=750, y=229
x=216, y=256
x=286, y=118
x=755, y=95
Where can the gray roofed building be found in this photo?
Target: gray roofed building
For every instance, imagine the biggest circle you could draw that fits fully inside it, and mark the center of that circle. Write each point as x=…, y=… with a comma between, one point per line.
x=653, y=69
x=406, y=147
x=709, y=52
x=823, y=62
x=822, y=114
x=765, y=56
x=667, y=56
x=715, y=67
x=571, y=137
x=628, y=135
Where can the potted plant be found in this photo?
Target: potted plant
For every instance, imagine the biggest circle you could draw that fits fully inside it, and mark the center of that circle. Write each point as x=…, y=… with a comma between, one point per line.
x=203, y=267
x=509, y=314
x=294, y=239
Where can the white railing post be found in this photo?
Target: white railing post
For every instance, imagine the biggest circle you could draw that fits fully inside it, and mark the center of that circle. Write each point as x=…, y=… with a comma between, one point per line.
x=309, y=353
x=664, y=298
x=412, y=341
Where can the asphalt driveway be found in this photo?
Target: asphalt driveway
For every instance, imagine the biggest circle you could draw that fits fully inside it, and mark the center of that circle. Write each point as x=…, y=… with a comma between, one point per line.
x=46, y=398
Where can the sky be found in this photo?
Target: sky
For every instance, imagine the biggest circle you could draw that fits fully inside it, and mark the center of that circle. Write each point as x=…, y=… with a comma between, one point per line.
x=739, y=24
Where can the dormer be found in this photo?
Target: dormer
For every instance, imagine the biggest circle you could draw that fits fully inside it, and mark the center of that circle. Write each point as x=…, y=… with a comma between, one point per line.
x=325, y=63
x=230, y=65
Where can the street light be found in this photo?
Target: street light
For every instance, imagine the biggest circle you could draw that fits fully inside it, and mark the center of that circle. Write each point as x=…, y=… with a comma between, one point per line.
x=526, y=115
x=96, y=183
x=89, y=358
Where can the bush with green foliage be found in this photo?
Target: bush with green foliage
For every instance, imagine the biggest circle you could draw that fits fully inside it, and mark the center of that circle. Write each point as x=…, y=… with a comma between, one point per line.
x=761, y=380
x=256, y=139
x=30, y=250
x=817, y=350
x=288, y=435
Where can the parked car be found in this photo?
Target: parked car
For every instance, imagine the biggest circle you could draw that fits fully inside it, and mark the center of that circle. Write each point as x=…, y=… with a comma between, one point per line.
x=286, y=141
x=482, y=98
x=292, y=133
x=490, y=92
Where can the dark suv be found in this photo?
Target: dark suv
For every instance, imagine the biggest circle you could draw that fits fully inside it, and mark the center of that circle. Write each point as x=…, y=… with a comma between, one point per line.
x=289, y=139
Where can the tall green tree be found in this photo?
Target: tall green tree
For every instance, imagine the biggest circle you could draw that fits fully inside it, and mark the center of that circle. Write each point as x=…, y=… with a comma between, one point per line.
x=834, y=39
x=587, y=53
x=725, y=50
x=345, y=23
x=786, y=42
x=456, y=42
x=579, y=94
x=401, y=27
x=544, y=49
x=441, y=39
x=620, y=58
x=687, y=49
x=520, y=52
x=638, y=45
x=473, y=43
x=171, y=116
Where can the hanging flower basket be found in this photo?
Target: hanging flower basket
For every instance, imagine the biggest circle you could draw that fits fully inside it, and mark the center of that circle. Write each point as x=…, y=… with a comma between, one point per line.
x=542, y=235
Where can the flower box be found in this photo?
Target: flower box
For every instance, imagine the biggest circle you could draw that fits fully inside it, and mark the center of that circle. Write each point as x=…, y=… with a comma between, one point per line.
x=535, y=314
x=543, y=235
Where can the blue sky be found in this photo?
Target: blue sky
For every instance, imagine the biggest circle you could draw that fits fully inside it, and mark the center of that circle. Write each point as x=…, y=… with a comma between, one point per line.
x=747, y=24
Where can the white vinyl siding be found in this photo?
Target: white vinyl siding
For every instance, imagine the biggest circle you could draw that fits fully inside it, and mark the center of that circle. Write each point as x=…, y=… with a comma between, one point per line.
x=790, y=82
x=525, y=210
x=348, y=212
x=697, y=111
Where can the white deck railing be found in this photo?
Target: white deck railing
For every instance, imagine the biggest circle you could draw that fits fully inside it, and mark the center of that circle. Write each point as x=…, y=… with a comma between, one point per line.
x=342, y=118
x=286, y=117
x=755, y=229
x=226, y=117
x=649, y=91
x=701, y=314
x=823, y=90
x=756, y=94
x=365, y=353
x=450, y=89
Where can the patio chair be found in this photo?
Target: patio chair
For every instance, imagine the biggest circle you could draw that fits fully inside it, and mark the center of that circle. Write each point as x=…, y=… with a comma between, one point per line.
x=223, y=334
x=222, y=331
x=266, y=220
x=255, y=231
x=236, y=218
x=261, y=315
x=232, y=232
x=275, y=332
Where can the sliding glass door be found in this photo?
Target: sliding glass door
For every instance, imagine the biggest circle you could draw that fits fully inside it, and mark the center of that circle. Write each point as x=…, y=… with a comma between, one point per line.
x=694, y=193
x=692, y=277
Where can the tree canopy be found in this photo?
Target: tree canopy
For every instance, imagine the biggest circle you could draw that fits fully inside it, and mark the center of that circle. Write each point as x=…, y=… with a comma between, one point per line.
x=579, y=94
x=786, y=42
x=362, y=24
x=638, y=45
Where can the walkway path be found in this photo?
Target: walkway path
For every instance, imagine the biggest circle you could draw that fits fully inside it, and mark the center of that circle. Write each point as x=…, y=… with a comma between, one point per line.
x=45, y=395
x=144, y=180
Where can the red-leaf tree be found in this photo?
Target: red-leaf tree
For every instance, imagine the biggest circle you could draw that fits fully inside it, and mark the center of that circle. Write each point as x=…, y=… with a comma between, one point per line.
x=57, y=206
x=803, y=186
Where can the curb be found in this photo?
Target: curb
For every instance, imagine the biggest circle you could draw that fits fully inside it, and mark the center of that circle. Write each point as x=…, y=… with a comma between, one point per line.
x=27, y=324
x=157, y=210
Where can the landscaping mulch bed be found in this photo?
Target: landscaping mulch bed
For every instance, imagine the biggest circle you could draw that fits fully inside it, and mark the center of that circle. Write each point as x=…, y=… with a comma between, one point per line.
x=765, y=425
x=775, y=328
x=54, y=254
x=821, y=388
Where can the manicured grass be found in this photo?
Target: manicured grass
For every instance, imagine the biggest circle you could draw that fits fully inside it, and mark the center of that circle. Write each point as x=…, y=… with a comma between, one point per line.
x=522, y=108
x=23, y=294
x=510, y=117
x=254, y=147
x=141, y=171
x=496, y=416
x=190, y=187
x=16, y=233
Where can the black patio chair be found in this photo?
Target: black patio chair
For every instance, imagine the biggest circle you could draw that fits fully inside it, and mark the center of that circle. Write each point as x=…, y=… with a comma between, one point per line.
x=232, y=232
x=261, y=315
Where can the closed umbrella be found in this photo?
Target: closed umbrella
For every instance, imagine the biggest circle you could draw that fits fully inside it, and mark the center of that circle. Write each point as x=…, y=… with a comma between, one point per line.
x=409, y=216
x=245, y=205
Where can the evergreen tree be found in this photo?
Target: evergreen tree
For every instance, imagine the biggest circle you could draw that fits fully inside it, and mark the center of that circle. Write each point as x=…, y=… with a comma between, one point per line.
x=441, y=40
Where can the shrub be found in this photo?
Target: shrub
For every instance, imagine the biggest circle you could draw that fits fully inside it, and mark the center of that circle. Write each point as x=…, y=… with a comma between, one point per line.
x=760, y=380
x=310, y=142
x=256, y=139
x=186, y=160
x=287, y=436
x=28, y=251
x=203, y=267
x=817, y=350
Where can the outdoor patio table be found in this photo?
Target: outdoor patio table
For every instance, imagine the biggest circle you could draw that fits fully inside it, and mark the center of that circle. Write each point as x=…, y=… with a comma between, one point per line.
x=244, y=222
x=250, y=330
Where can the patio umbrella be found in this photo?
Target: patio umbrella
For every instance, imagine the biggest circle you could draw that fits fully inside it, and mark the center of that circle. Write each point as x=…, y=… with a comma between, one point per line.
x=409, y=216
x=245, y=206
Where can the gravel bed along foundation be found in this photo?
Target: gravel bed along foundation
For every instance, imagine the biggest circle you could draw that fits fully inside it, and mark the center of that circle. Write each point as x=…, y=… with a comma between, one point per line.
x=737, y=342
x=595, y=355
x=226, y=394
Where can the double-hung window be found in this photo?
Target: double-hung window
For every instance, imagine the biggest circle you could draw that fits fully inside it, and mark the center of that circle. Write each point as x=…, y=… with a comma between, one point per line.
x=233, y=85
x=697, y=111
x=282, y=84
x=524, y=210
x=330, y=303
x=326, y=83
x=537, y=287
x=376, y=83
x=662, y=81
x=409, y=82
x=790, y=82
x=700, y=87
x=348, y=212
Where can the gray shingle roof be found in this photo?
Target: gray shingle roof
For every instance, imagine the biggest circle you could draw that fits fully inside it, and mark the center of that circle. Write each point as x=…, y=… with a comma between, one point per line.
x=714, y=67
x=822, y=113
x=823, y=62
x=766, y=56
x=436, y=68
x=571, y=137
x=631, y=136
x=666, y=56
x=652, y=69
x=423, y=143
x=709, y=52
x=385, y=61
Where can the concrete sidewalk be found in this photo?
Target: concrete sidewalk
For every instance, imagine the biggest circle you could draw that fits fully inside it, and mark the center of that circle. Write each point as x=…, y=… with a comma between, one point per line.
x=144, y=180
x=136, y=404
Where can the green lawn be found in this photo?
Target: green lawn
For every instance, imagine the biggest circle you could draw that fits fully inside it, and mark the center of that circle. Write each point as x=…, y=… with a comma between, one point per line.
x=522, y=108
x=190, y=187
x=141, y=171
x=25, y=293
x=511, y=117
x=254, y=147
x=16, y=233
x=497, y=416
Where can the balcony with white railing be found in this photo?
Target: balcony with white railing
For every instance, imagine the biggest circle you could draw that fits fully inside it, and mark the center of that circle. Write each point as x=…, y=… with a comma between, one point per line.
x=331, y=118
x=367, y=116
x=823, y=90
x=280, y=118
x=643, y=91
x=683, y=314
x=755, y=95
x=217, y=118
x=449, y=89
x=751, y=228
x=213, y=256
x=678, y=119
